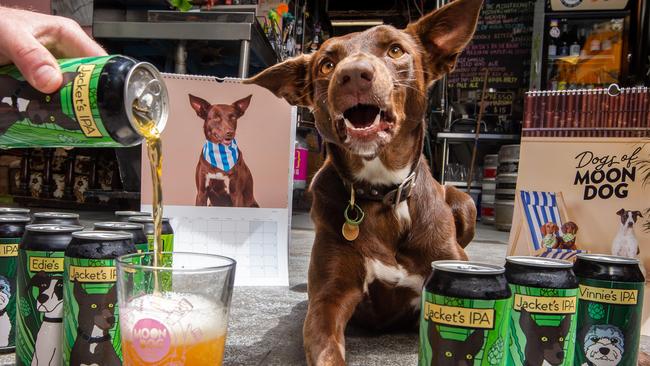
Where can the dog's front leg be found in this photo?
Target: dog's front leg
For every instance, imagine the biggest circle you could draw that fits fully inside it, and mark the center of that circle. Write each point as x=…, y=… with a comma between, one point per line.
x=201, y=185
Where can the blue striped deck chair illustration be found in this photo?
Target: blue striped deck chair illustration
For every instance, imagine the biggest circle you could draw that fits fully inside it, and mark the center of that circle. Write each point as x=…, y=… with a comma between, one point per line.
x=537, y=208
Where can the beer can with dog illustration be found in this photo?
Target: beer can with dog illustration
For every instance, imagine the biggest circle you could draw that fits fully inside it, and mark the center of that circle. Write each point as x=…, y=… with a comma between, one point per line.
x=543, y=314
x=39, y=304
x=12, y=229
x=167, y=231
x=610, y=302
x=464, y=315
x=57, y=218
x=137, y=230
x=94, y=107
x=123, y=216
x=91, y=332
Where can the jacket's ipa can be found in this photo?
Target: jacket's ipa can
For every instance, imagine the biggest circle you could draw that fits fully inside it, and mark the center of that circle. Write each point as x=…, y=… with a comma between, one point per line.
x=137, y=230
x=58, y=218
x=167, y=231
x=91, y=332
x=93, y=107
x=39, y=304
x=11, y=230
x=464, y=316
x=124, y=215
x=543, y=315
x=609, y=310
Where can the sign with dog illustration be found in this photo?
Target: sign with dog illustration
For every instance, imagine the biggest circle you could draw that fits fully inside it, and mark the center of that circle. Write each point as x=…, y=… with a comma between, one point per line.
x=228, y=161
x=591, y=192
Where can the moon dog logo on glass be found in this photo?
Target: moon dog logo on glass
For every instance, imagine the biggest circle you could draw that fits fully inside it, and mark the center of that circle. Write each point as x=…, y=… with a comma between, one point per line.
x=151, y=339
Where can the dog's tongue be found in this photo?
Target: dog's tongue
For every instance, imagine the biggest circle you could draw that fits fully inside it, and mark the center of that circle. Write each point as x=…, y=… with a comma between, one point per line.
x=361, y=115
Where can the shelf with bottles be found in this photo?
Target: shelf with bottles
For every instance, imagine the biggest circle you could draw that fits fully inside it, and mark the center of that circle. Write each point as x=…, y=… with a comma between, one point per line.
x=578, y=58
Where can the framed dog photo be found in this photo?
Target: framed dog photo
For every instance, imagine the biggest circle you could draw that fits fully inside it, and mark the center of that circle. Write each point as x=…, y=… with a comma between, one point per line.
x=227, y=174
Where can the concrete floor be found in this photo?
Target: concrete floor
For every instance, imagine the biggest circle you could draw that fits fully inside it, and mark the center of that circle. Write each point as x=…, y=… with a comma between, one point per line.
x=266, y=322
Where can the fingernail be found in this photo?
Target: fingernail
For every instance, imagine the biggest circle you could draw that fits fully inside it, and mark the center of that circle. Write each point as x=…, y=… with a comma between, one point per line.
x=46, y=77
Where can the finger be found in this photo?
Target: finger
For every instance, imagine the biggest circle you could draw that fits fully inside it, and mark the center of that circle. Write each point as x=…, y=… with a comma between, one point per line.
x=34, y=61
x=74, y=42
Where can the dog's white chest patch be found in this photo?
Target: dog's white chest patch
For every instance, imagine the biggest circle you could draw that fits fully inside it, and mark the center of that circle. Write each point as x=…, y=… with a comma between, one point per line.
x=218, y=176
x=375, y=172
x=392, y=275
x=22, y=103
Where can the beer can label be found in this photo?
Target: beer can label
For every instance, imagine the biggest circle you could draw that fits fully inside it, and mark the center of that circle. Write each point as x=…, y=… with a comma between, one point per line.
x=609, y=322
x=90, y=313
x=542, y=326
x=8, y=263
x=167, y=241
x=68, y=117
x=455, y=331
x=39, y=306
x=142, y=247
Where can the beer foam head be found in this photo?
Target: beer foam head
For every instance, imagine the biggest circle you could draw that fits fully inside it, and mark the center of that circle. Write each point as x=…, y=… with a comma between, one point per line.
x=175, y=318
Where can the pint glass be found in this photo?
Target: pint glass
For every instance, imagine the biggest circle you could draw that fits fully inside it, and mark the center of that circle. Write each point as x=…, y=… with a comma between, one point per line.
x=175, y=313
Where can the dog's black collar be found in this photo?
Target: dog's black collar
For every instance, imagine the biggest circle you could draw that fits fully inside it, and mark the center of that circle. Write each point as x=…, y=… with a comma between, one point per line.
x=52, y=320
x=90, y=339
x=389, y=195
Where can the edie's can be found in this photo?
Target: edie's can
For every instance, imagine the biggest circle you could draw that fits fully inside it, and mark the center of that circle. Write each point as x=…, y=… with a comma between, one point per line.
x=543, y=314
x=124, y=215
x=464, y=315
x=14, y=211
x=137, y=230
x=167, y=231
x=609, y=309
x=39, y=305
x=91, y=334
x=12, y=229
x=93, y=107
x=58, y=218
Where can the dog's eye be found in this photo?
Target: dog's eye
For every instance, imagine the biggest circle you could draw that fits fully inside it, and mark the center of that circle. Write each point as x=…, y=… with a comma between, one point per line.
x=326, y=67
x=469, y=357
x=561, y=339
x=614, y=341
x=448, y=354
x=595, y=339
x=110, y=305
x=544, y=339
x=395, y=51
x=93, y=306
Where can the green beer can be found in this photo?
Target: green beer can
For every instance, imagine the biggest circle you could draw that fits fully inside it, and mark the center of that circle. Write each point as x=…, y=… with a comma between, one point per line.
x=124, y=215
x=464, y=315
x=39, y=304
x=137, y=230
x=609, y=310
x=93, y=107
x=167, y=231
x=543, y=315
x=91, y=332
x=12, y=229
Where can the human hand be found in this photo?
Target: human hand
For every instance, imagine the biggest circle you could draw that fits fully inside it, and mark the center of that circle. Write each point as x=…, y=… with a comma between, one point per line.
x=32, y=41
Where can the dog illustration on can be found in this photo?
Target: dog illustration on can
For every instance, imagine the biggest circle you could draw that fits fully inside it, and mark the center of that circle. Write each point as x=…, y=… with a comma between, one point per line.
x=49, y=302
x=604, y=345
x=5, y=322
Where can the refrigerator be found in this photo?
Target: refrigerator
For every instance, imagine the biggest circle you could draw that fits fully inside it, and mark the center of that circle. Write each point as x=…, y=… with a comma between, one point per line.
x=585, y=44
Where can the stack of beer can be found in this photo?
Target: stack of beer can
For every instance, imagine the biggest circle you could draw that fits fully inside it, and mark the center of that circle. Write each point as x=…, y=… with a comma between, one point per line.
x=58, y=294
x=533, y=311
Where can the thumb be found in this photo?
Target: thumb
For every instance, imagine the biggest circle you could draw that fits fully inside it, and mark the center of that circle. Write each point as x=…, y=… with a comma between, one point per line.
x=35, y=62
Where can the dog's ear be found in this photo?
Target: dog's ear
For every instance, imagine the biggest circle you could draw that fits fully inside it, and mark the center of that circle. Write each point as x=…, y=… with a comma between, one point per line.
x=475, y=341
x=79, y=292
x=242, y=105
x=111, y=295
x=200, y=106
x=445, y=32
x=621, y=212
x=636, y=214
x=565, y=324
x=542, y=229
x=289, y=80
x=526, y=321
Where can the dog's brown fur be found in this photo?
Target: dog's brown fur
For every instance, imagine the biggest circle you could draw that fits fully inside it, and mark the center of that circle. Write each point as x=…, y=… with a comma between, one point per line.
x=219, y=126
x=568, y=228
x=376, y=280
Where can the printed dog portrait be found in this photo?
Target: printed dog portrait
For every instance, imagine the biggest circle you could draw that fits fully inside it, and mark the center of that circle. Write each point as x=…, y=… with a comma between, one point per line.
x=49, y=302
x=5, y=322
x=453, y=352
x=625, y=243
x=550, y=232
x=544, y=344
x=568, y=238
x=604, y=345
x=222, y=177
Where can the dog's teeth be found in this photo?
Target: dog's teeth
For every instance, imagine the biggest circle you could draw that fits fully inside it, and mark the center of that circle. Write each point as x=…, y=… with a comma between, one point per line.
x=377, y=118
x=348, y=123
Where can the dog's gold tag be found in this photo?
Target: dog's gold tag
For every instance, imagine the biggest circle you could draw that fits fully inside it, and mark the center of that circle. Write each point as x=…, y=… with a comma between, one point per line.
x=350, y=232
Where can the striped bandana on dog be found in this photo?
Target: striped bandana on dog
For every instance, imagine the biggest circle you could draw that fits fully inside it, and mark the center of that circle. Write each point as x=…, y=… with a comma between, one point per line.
x=221, y=156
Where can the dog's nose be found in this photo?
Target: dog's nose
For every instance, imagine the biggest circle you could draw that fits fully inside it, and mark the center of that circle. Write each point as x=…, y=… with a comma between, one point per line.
x=604, y=350
x=42, y=298
x=357, y=75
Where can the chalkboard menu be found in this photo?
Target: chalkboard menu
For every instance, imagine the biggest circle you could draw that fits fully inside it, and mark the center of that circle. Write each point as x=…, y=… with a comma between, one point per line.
x=502, y=44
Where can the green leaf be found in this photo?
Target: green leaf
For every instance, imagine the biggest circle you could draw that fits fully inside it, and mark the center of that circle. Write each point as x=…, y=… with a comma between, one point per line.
x=182, y=5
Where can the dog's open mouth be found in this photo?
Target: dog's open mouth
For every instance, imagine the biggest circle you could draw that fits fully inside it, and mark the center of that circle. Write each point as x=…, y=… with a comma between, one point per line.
x=365, y=120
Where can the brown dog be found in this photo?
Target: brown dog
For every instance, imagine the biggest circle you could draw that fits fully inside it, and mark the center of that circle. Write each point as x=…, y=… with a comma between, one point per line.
x=550, y=234
x=368, y=94
x=222, y=177
x=568, y=238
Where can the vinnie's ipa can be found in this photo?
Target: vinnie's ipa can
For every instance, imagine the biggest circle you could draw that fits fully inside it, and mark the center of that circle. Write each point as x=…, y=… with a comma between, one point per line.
x=93, y=107
x=609, y=310
x=543, y=315
x=91, y=332
x=137, y=230
x=124, y=215
x=464, y=316
x=12, y=229
x=58, y=218
x=167, y=231
x=39, y=305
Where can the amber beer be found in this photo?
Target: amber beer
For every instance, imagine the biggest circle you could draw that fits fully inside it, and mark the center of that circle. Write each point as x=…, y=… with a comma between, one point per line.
x=174, y=328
